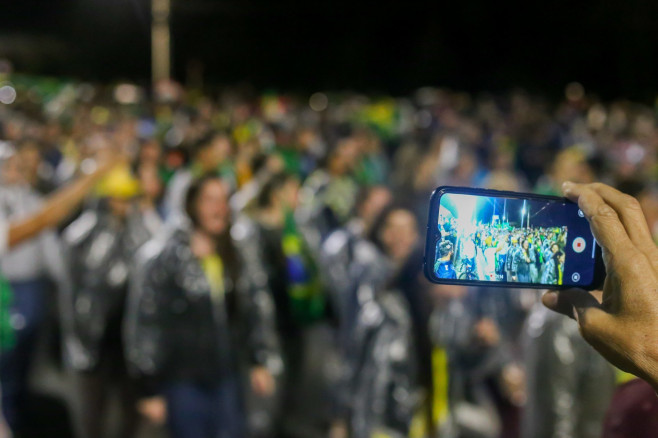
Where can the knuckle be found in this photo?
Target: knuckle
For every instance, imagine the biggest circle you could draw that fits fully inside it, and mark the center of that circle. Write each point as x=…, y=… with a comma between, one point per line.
x=604, y=210
x=631, y=203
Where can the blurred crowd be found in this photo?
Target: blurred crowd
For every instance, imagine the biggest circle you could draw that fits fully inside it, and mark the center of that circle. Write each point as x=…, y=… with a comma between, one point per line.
x=257, y=270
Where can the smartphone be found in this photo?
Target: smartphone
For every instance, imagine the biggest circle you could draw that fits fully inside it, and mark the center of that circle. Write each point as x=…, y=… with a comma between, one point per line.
x=507, y=239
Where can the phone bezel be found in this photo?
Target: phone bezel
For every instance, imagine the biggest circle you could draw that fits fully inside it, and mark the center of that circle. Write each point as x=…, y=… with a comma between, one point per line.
x=432, y=232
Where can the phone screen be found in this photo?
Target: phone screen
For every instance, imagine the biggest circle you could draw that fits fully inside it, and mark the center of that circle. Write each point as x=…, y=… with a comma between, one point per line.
x=526, y=240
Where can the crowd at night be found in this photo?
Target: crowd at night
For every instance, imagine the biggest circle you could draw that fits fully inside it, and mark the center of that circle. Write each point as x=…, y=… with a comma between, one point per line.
x=255, y=266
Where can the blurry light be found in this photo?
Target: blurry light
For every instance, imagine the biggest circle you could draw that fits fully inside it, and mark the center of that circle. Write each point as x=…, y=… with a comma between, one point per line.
x=318, y=102
x=574, y=91
x=126, y=94
x=635, y=153
x=7, y=94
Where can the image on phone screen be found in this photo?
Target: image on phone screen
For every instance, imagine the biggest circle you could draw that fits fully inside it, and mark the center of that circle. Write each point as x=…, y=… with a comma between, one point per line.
x=532, y=241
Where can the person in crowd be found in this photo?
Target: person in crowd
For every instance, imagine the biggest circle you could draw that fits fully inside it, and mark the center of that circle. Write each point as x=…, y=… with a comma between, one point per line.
x=294, y=282
x=14, y=232
x=210, y=154
x=444, y=264
x=511, y=259
x=524, y=258
x=27, y=268
x=329, y=194
x=397, y=235
x=100, y=247
x=195, y=298
x=553, y=269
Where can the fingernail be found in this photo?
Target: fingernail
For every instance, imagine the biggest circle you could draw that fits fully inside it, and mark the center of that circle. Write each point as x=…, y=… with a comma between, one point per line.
x=550, y=300
x=566, y=186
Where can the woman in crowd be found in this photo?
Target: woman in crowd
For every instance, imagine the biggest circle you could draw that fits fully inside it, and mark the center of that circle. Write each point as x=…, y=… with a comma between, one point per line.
x=190, y=293
x=524, y=258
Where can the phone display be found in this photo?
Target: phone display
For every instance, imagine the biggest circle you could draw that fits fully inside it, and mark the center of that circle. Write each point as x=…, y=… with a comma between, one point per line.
x=509, y=239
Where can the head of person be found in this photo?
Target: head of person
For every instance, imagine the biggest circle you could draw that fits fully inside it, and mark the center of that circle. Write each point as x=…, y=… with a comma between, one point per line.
x=445, y=250
x=555, y=248
x=396, y=232
x=150, y=181
x=525, y=244
x=211, y=151
x=281, y=191
x=11, y=168
x=343, y=158
x=207, y=205
x=150, y=152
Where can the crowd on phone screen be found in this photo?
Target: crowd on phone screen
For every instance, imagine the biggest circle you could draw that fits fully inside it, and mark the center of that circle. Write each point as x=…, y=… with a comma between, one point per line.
x=257, y=269
x=501, y=253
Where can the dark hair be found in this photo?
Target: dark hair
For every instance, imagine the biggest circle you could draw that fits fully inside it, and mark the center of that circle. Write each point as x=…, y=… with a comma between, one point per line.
x=274, y=183
x=380, y=222
x=445, y=247
x=225, y=247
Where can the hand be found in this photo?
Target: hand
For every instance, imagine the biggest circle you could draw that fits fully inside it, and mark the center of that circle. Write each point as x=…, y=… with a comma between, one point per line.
x=153, y=409
x=487, y=332
x=622, y=321
x=262, y=381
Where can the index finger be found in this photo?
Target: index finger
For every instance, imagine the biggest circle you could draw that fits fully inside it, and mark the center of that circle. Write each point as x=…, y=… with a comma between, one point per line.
x=604, y=221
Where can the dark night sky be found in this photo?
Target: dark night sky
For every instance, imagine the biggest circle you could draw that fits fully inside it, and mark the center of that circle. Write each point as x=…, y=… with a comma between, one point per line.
x=390, y=46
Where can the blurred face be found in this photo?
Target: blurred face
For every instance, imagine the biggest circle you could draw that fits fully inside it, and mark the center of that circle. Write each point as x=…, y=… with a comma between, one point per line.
x=150, y=153
x=525, y=244
x=149, y=181
x=215, y=153
x=554, y=248
x=399, y=234
x=12, y=171
x=212, y=207
x=344, y=157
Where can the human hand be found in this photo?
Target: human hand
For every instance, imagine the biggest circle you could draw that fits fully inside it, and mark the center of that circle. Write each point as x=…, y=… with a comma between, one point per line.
x=621, y=322
x=154, y=409
x=262, y=381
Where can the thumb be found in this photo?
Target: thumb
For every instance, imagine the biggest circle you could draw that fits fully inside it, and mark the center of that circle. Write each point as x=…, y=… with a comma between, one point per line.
x=596, y=325
x=565, y=301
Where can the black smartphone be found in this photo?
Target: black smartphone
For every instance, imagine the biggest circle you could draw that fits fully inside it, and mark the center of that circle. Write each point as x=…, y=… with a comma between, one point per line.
x=494, y=238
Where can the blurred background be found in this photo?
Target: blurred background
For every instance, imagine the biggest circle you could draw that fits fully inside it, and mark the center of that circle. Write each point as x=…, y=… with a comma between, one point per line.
x=255, y=270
